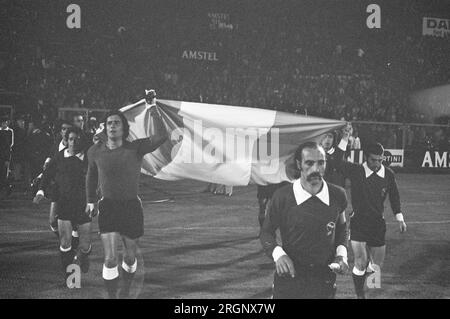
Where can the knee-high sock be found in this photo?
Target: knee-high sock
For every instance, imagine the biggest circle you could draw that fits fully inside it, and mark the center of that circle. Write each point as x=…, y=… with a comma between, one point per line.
x=75, y=240
x=128, y=275
x=359, y=280
x=66, y=257
x=111, y=280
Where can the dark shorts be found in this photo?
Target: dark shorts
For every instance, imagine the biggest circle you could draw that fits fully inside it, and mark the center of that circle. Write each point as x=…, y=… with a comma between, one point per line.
x=308, y=283
x=372, y=232
x=121, y=216
x=73, y=211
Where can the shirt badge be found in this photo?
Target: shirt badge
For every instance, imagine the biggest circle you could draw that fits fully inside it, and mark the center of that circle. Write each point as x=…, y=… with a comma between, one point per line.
x=330, y=228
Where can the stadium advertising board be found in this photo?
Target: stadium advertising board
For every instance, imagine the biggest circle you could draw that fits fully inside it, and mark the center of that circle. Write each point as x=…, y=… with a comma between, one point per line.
x=436, y=27
x=220, y=21
x=394, y=157
x=199, y=55
x=436, y=159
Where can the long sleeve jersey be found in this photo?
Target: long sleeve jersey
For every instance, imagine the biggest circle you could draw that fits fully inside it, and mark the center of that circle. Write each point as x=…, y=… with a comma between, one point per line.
x=117, y=170
x=307, y=228
x=69, y=173
x=369, y=190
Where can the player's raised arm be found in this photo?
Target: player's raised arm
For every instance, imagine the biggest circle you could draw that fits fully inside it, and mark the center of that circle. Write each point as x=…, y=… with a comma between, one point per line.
x=345, y=167
x=158, y=132
x=342, y=146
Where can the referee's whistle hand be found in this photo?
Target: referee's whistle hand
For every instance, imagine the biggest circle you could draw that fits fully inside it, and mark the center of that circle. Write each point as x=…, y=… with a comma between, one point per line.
x=37, y=199
x=285, y=266
x=342, y=264
x=90, y=209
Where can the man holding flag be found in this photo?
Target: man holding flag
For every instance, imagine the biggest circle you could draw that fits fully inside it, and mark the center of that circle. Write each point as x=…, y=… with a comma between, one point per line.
x=115, y=166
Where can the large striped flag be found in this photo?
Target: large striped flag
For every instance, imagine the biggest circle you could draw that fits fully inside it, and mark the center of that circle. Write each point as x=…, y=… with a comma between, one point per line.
x=225, y=144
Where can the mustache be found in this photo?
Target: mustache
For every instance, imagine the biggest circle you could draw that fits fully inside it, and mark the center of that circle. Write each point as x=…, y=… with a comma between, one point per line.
x=313, y=175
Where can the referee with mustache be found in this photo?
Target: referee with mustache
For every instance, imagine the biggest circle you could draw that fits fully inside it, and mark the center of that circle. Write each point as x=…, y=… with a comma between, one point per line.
x=310, y=214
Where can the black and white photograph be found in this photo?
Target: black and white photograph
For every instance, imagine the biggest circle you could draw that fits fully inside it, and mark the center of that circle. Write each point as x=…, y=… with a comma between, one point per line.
x=224, y=154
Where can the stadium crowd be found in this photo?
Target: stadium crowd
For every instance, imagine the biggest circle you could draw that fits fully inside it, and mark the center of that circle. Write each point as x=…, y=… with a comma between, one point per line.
x=300, y=61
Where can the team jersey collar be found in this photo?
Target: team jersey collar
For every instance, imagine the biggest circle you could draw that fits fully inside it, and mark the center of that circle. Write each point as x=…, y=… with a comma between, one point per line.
x=61, y=146
x=79, y=155
x=369, y=172
x=301, y=195
x=331, y=151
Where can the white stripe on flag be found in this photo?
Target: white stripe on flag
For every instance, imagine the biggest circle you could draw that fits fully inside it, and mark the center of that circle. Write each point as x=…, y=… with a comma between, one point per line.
x=217, y=142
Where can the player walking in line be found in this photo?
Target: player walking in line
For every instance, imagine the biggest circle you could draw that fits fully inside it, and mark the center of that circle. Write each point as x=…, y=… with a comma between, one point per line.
x=310, y=214
x=68, y=168
x=51, y=193
x=115, y=166
x=371, y=182
x=334, y=154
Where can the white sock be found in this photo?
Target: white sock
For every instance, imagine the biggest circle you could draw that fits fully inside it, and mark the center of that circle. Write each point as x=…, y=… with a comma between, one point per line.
x=130, y=269
x=358, y=272
x=110, y=273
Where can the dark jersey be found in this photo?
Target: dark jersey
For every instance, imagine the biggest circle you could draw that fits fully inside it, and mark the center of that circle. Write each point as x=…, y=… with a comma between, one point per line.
x=307, y=230
x=369, y=193
x=69, y=174
x=116, y=171
x=332, y=173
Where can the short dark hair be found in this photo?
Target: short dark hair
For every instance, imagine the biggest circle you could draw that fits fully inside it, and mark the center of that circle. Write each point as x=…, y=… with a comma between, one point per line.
x=125, y=125
x=72, y=129
x=298, y=153
x=374, y=149
x=333, y=135
x=64, y=122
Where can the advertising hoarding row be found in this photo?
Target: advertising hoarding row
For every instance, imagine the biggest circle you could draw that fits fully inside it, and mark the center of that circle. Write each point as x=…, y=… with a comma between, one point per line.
x=415, y=159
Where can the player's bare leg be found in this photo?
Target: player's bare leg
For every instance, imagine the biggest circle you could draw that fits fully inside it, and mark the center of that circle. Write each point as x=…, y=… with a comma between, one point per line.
x=84, y=246
x=52, y=219
x=110, y=270
x=65, y=239
x=129, y=265
x=377, y=255
x=376, y=259
x=359, y=269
